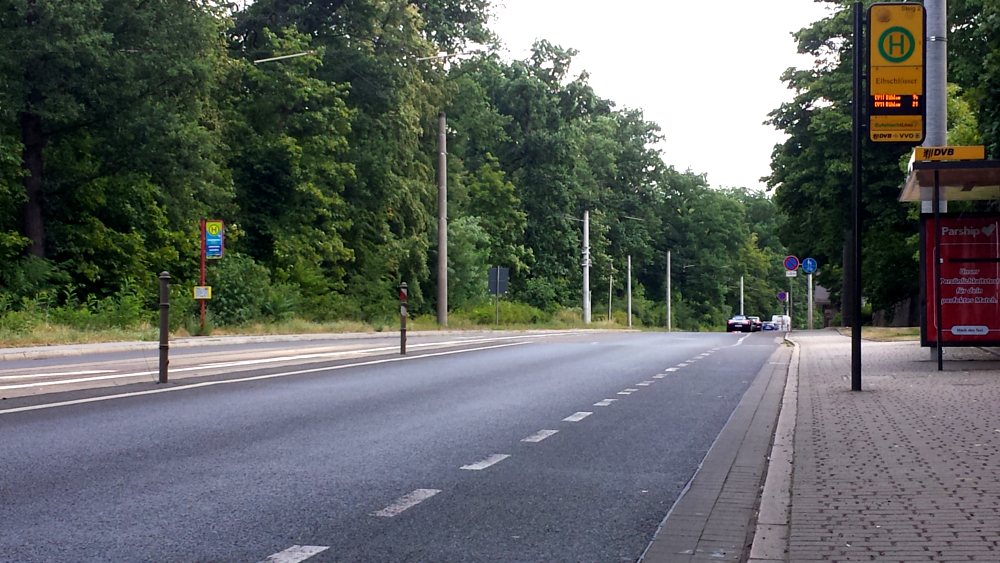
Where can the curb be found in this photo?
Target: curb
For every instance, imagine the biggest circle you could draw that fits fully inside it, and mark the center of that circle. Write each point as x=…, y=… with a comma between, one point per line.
x=770, y=541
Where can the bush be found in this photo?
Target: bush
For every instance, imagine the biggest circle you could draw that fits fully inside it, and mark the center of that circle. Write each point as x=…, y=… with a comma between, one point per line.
x=240, y=289
x=510, y=313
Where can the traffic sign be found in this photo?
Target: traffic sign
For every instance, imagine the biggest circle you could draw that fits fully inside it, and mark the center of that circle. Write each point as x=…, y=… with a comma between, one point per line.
x=950, y=153
x=791, y=263
x=202, y=292
x=782, y=296
x=791, y=273
x=809, y=265
x=896, y=107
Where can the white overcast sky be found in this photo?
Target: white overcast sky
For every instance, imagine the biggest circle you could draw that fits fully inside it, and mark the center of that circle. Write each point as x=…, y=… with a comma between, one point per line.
x=683, y=63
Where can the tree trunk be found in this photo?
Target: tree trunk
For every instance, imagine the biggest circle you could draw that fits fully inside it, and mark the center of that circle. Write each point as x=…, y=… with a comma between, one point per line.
x=34, y=142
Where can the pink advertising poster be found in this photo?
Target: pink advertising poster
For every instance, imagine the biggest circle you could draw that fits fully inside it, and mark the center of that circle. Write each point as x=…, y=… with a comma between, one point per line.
x=970, y=280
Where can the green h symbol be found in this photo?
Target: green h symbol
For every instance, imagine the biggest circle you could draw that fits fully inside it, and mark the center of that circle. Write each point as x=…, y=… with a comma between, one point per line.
x=893, y=45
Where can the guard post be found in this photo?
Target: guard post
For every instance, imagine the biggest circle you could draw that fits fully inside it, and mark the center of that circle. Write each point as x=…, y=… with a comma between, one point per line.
x=402, y=318
x=164, y=325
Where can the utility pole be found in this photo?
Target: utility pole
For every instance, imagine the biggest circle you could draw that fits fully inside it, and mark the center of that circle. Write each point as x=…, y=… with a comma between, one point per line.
x=442, y=273
x=668, y=291
x=586, y=267
x=630, y=291
x=611, y=285
x=741, y=295
x=936, y=96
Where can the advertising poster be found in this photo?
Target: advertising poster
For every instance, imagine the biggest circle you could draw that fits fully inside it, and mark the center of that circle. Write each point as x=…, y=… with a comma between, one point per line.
x=970, y=280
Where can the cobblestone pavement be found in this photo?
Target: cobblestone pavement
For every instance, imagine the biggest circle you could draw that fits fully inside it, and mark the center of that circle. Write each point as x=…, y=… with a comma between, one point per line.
x=906, y=470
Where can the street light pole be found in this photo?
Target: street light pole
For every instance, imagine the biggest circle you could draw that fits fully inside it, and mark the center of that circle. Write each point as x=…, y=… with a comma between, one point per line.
x=442, y=265
x=586, y=267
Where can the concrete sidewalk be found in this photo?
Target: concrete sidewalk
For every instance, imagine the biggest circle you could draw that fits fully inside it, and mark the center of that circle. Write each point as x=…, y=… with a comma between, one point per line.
x=906, y=470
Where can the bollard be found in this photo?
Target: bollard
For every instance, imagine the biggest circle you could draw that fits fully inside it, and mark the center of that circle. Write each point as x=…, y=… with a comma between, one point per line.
x=402, y=318
x=164, y=325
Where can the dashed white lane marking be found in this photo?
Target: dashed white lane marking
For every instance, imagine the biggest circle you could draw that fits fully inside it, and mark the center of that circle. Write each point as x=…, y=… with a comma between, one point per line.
x=645, y=383
x=62, y=374
x=539, y=436
x=671, y=369
x=682, y=364
x=406, y=501
x=577, y=417
x=605, y=403
x=480, y=465
x=295, y=554
x=625, y=392
x=705, y=355
x=661, y=376
x=631, y=390
x=245, y=379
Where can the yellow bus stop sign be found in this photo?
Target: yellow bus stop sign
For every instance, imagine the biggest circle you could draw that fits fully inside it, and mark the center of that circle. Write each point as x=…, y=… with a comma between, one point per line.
x=896, y=105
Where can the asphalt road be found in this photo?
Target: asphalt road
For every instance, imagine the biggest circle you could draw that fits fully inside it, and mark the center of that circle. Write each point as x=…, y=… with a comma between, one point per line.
x=546, y=448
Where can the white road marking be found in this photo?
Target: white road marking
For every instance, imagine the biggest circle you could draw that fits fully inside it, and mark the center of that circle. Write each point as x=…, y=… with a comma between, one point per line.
x=704, y=355
x=406, y=501
x=624, y=392
x=740, y=341
x=539, y=436
x=645, y=383
x=577, y=417
x=661, y=376
x=605, y=403
x=253, y=378
x=630, y=390
x=682, y=364
x=480, y=465
x=295, y=554
x=671, y=369
x=256, y=362
x=63, y=374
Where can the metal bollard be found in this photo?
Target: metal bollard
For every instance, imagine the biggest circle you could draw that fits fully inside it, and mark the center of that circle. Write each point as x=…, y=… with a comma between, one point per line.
x=402, y=318
x=164, y=325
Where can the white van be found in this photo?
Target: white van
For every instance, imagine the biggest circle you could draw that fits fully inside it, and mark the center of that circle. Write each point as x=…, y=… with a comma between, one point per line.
x=783, y=322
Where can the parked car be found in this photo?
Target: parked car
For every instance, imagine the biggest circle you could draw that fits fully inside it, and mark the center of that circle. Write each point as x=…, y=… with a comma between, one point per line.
x=769, y=325
x=739, y=323
x=757, y=325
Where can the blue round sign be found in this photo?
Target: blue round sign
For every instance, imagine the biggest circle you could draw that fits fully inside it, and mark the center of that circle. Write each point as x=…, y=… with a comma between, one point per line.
x=782, y=296
x=791, y=263
x=809, y=265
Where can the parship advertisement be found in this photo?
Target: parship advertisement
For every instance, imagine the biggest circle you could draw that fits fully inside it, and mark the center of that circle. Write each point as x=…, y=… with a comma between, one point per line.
x=970, y=280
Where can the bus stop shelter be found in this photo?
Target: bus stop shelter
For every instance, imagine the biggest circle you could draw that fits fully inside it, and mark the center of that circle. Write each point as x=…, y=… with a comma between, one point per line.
x=959, y=254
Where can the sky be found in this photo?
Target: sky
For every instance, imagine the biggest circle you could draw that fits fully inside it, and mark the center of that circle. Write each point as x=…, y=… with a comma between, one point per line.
x=707, y=72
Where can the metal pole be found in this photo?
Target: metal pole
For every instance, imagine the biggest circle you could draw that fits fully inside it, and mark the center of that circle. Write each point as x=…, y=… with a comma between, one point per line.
x=937, y=73
x=810, y=316
x=937, y=274
x=741, y=295
x=629, y=291
x=164, y=325
x=611, y=284
x=668, y=292
x=442, y=270
x=586, y=267
x=201, y=303
x=856, y=201
x=791, y=323
x=402, y=318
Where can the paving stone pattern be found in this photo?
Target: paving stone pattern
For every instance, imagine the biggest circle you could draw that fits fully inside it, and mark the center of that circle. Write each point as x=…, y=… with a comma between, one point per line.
x=906, y=470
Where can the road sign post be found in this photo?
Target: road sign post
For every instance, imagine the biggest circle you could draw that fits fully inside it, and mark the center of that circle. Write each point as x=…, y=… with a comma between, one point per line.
x=896, y=73
x=809, y=266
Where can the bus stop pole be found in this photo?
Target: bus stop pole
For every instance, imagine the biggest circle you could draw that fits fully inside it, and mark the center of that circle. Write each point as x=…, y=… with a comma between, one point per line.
x=937, y=272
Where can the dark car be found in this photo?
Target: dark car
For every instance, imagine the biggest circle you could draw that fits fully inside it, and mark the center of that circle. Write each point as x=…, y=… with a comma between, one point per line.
x=739, y=323
x=757, y=324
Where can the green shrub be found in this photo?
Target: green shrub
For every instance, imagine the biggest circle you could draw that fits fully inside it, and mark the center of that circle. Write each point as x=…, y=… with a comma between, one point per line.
x=240, y=289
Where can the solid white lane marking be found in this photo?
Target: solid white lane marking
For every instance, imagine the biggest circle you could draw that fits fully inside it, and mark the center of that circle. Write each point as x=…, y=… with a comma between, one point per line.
x=260, y=361
x=480, y=465
x=254, y=378
x=661, y=376
x=577, y=417
x=539, y=436
x=671, y=369
x=63, y=374
x=605, y=403
x=295, y=554
x=406, y=501
x=740, y=341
